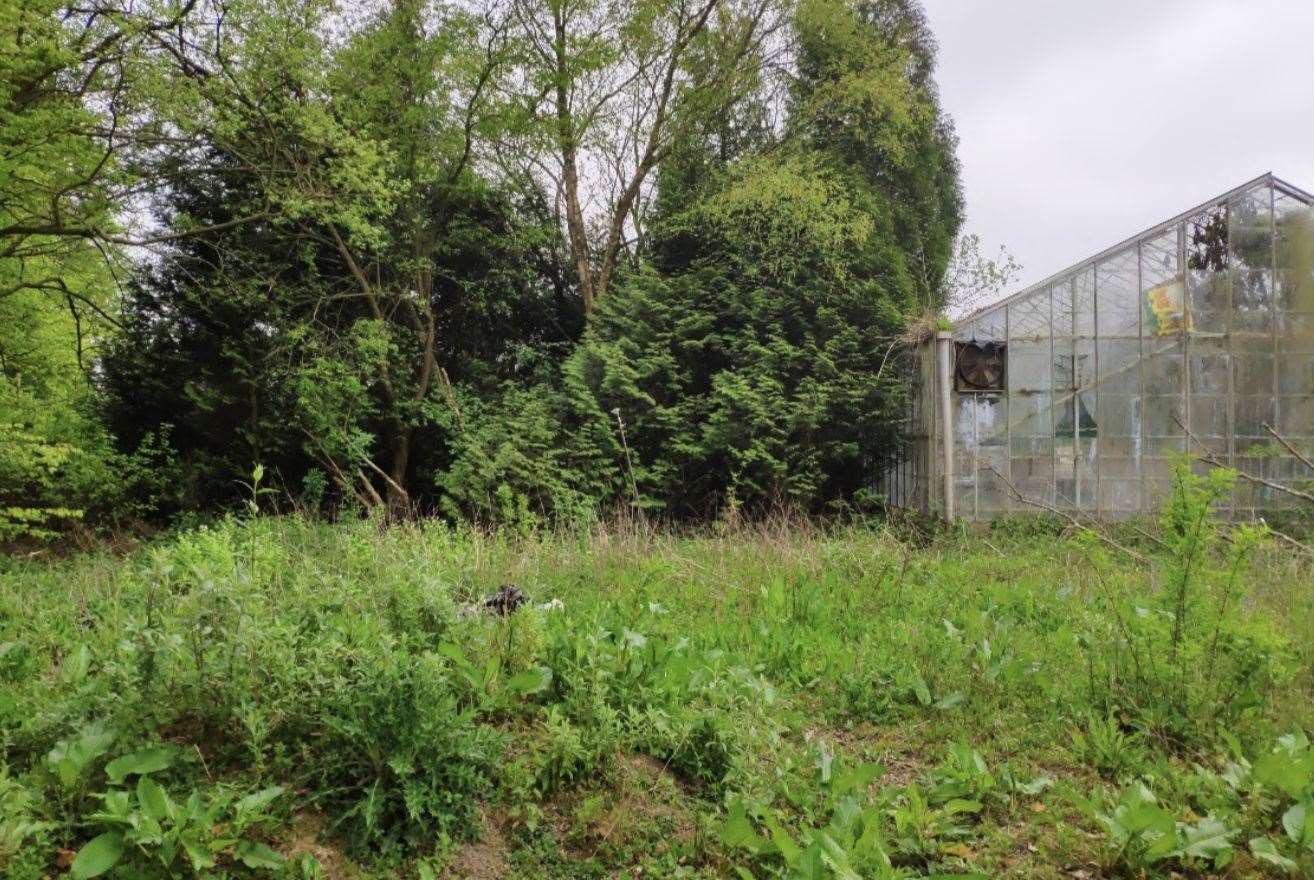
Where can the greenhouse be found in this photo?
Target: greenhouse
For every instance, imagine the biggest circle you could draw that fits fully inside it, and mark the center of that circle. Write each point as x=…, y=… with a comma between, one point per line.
x=1081, y=392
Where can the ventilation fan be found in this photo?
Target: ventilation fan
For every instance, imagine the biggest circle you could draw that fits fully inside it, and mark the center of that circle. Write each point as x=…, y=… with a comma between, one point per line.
x=981, y=366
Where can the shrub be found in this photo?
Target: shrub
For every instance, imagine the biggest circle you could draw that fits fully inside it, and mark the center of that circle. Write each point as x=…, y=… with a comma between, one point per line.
x=1186, y=659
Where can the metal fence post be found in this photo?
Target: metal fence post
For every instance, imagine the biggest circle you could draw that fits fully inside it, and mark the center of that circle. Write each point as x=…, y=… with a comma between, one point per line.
x=943, y=341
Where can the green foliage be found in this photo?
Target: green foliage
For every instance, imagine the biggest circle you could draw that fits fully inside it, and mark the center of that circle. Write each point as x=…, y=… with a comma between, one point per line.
x=1143, y=833
x=771, y=673
x=865, y=100
x=1273, y=795
x=530, y=456
x=57, y=464
x=1184, y=660
x=379, y=287
x=160, y=837
x=880, y=834
x=766, y=392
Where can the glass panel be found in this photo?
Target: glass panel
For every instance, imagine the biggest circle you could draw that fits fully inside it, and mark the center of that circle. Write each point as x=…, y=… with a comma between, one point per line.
x=1254, y=372
x=1031, y=414
x=1061, y=299
x=981, y=432
x=1083, y=303
x=1028, y=318
x=1161, y=370
x=1069, y=418
x=1119, y=366
x=1295, y=374
x=1250, y=240
x=988, y=327
x=1209, y=420
x=1029, y=365
x=1119, y=415
x=1252, y=414
x=1207, y=277
x=1295, y=269
x=1163, y=433
x=1211, y=367
x=1296, y=417
x=1118, y=312
x=1034, y=478
x=1163, y=292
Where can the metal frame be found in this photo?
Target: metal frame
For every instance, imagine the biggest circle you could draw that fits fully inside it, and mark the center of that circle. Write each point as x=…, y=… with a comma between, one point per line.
x=1137, y=457
x=1159, y=228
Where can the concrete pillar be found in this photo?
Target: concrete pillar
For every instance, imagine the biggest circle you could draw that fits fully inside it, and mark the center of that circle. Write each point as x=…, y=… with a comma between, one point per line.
x=944, y=391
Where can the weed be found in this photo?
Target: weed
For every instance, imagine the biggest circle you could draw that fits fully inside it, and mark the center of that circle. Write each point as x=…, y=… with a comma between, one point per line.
x=1102, y=742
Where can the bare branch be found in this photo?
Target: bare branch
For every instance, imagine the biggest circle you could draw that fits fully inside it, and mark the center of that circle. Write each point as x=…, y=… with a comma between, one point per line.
x=1067, y=517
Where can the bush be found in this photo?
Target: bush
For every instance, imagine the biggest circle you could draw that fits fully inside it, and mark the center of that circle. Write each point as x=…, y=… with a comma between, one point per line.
x=764, y=392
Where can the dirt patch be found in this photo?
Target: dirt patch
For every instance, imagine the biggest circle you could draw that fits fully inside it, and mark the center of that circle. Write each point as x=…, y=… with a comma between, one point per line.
x=485, y=859
x=306, y=839
x=901, y=751
x=902, y=770
x=646, y=792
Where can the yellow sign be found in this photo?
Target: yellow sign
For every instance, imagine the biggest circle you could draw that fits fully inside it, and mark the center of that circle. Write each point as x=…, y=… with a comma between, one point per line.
x=1167, y=304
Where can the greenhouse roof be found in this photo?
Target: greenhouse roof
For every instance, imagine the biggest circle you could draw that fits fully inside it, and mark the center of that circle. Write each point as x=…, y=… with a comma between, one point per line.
x=1268, y=179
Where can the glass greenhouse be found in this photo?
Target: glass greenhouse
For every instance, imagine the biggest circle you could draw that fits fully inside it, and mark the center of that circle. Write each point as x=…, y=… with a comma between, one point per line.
x=1078, y=393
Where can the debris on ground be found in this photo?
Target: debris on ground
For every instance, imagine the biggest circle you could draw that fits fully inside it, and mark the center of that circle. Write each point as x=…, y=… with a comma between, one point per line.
x=507, y=599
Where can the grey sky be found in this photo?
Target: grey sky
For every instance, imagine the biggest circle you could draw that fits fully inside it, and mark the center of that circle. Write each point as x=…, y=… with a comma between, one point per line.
x=1084, y=121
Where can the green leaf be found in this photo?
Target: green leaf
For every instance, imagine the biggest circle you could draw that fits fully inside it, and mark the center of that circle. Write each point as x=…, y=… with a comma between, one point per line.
x=738, y=830
x=531, y=681
x=961, y=805
x=856, y=779
x=455, y=654
x=98, y=856
x=197, y=852
x=116, y=803
x=1263, y=849
x=835, y=858
x=153, y=799
x=1299, y=823
x=71, y=758
x=145, y=761
x=789, y=850
x=1207, y=839
x=259, y=800
x=1285, y=772
x=921, y=689
x=258, y=855
x=950, y=701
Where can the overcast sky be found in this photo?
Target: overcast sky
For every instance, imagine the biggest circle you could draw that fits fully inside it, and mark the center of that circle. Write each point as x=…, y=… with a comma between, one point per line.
x=1084, y=121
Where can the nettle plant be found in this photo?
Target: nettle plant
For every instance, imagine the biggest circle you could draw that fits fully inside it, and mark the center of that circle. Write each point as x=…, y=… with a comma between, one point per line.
x=143, y=829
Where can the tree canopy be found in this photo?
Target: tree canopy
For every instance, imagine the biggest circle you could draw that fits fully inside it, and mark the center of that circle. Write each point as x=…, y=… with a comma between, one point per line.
x=506, y=260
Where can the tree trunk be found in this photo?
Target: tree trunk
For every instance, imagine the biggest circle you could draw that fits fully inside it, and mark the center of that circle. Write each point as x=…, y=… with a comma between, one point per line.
x=579, y=243
x=398, y=499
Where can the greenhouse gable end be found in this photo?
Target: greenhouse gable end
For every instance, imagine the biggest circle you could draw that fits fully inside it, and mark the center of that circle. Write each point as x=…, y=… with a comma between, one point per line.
x=1080, y=392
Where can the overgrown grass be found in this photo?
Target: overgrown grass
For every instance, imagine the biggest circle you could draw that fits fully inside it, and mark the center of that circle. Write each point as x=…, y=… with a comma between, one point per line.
x=778, y=701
